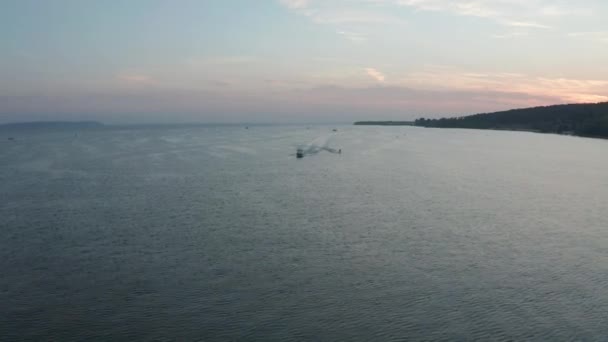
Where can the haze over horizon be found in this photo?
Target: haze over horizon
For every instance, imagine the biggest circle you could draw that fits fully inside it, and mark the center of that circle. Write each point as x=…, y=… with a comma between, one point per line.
x=296, y=60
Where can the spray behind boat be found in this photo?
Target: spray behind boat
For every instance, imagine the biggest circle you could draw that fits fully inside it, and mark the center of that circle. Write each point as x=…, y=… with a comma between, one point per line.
x=321, y=143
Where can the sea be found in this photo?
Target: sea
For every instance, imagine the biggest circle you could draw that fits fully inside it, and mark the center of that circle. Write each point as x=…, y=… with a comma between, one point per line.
x=220, y=233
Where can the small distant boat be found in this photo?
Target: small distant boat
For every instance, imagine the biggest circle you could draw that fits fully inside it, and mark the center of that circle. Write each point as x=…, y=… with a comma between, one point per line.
x=335, y=130
x=299, y=153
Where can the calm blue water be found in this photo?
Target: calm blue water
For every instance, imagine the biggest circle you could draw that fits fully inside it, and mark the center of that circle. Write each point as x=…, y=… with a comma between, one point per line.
x=220, y=233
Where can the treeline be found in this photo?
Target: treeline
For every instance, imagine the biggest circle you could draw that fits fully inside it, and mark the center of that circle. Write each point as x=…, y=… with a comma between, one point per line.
x=385, y=123
x=51, y=124
x=577, y=119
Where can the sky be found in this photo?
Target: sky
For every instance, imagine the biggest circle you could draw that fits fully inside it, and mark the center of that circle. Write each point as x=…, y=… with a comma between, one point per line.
x=158, y=61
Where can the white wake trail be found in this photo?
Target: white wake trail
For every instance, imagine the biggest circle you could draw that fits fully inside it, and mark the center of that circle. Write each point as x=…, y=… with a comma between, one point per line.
x=319, y=144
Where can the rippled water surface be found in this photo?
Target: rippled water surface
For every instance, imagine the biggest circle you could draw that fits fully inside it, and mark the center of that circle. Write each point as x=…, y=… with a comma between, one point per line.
x=220, y=233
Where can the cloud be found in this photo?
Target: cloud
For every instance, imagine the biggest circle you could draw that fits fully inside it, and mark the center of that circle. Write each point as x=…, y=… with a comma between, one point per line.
x=349, y=16
x=597, y=36
x=340, y=12
x=352, y=36
x=358, y=15
x=323, y=103
x=344, y=16
x=564, y=89
x=557, y=11
x=509, y=35
x=220, y=60
x=134, y=78
x=401, y=102
x=527, y=24
x=220, y=83
x=460, y=93
x=375, y=74
x=295, y=4
x=519, y=13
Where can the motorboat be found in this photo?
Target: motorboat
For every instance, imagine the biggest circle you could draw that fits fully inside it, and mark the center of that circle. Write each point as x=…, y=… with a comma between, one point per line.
x=299, y=153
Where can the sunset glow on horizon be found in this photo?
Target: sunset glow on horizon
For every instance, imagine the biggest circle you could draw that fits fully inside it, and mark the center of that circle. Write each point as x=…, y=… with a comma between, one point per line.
x=296, y=60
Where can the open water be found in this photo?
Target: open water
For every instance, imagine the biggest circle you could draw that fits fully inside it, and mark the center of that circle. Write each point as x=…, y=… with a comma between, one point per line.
x=219, y=233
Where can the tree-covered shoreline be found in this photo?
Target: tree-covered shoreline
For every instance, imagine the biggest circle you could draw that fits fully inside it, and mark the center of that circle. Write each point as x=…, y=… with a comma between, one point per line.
x=589, y=119
x=384, y=123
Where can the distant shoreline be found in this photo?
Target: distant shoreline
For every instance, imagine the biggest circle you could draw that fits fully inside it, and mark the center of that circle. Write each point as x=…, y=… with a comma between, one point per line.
x=385, y=123
x=584, y=120
x=52, y=124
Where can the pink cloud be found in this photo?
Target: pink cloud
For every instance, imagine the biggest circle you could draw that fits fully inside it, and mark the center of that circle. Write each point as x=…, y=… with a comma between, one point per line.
x=136, y=78
x=375, y=74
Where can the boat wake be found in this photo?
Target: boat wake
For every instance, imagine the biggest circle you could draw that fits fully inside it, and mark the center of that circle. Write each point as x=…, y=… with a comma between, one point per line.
x=320, y=144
